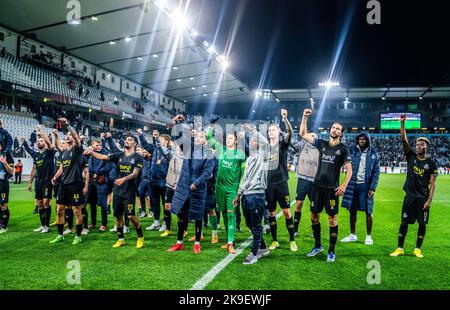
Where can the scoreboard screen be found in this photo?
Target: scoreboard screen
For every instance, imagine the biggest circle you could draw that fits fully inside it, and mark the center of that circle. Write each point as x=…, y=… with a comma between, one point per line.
x=392, y=121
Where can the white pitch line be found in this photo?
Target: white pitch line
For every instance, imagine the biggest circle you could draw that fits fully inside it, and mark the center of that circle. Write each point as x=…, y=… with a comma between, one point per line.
x=210, y=275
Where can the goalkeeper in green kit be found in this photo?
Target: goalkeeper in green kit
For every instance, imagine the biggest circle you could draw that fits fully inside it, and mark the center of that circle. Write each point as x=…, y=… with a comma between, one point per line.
x=231, y=168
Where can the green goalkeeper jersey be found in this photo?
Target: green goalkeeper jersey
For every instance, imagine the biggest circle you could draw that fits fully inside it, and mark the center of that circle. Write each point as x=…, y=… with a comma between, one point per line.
x=231, y=164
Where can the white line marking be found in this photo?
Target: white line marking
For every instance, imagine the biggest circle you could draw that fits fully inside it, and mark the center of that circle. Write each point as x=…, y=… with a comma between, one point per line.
x=210, y=275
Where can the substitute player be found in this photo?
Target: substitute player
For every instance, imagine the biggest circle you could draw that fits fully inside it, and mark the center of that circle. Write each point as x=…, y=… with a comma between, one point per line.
x=129, y=165
x=333, y=154
x=419, y=187
x=359, y=195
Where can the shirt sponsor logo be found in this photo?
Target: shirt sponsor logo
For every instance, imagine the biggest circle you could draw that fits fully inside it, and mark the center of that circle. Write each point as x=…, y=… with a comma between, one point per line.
x=418, y=171
x=124, y=168
x=328, y=158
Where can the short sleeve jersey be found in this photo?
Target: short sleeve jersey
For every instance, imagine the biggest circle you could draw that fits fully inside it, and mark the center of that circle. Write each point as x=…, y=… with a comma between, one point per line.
x=331, y=160
x=418, y=175
x=125, y=166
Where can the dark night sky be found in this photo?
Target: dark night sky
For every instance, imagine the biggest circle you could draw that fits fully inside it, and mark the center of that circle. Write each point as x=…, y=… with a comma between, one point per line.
x=291, y=44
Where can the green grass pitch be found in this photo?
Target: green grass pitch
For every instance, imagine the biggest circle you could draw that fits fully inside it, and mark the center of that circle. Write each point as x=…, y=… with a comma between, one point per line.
x=28, y=261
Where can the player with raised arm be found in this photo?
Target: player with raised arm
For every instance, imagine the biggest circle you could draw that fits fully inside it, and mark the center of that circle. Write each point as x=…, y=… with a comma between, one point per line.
x=43, y=170
x=71, y=191
x=333, y=154
x=129, y=165
x=277, y=181
x=419, y=189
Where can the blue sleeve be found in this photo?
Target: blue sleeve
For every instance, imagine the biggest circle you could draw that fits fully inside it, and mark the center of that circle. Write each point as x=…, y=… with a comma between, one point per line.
x=375, y=174
x=105, y=169
x=207, y=172
x=8, y=142
x=105, y=145
x=112, y=146
x=147, y=146
x=29, y=150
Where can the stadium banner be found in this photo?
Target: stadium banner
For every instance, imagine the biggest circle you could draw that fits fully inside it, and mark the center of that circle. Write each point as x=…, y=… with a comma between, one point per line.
x=109, y=110
x=53, y=97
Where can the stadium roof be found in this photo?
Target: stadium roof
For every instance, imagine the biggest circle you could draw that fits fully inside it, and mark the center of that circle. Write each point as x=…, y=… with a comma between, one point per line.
x=341, y=93
x=138, y=39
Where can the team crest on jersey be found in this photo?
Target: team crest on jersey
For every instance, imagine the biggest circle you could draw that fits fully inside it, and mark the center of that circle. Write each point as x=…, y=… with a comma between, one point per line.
x=405, y=215
x=373, y=157
x=426, y=167
x=132, y=161
x=338, y=152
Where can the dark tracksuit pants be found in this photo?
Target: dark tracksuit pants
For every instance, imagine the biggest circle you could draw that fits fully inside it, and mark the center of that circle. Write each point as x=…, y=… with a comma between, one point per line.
x=144, y=190
x=253, y=208
x=158, y=196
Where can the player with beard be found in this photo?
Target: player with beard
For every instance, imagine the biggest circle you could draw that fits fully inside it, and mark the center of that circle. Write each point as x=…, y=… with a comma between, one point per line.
x=277, y=181
x=419, y=187
x=333, y=154
x=71, y=191
x=129, y=166
x=43, y=170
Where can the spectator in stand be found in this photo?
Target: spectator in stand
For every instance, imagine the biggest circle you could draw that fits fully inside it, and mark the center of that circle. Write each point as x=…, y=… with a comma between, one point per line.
x=33, y=138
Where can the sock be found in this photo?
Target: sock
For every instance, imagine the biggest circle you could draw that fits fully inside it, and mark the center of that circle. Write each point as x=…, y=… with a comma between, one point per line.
x=402, y=234
x=156, y=222
x=48, y=214
x=127, y=221
x=79, y=229
x=60, y=229
x=104, y=217
x=198, y=230
x=290, y=228
x=168, y=219
x=333, y=238
x=120, y=232
x=213, y=222
x=218, y=218
x=1, y=218
x=421, y=235
x=6, y=218
x=316, y=233
x=85, y=217
x=69, y=213
x=273, y=227
x=297, y=218
x=139, y=232
x=225, y=221
x=42, y=216
x=231, y=216
x=181, y=229
x=263, y=244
